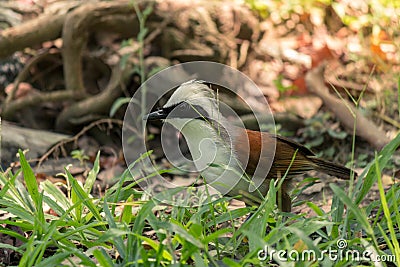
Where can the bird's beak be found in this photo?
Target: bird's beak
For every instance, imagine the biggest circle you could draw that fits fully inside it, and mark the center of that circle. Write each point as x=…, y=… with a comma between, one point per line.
x=155, y=115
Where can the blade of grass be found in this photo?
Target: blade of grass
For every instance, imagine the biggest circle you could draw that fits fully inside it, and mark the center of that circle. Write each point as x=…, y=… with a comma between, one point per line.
x=54, y=205
x=30, y=179
x=383, y=158
x=315, y=208
x=124, y=175
x=304, y=237
x=53, y=191
x=52, y=234
x=398, y=94
x=12, y=233
x=54, y=260
x=7, y=246
x=81, y=195
x=78, y=253
x=387, y=214
x=118, y=241
x=232, y=214
x=337, y=209
x=396, y=207
x=40, y=221
x=156, y=246
x=257, y=223
x=360, y=215
x=385, y=237
x=89, y=182
x=8, y=184
x=18, y=211
x=103, y=258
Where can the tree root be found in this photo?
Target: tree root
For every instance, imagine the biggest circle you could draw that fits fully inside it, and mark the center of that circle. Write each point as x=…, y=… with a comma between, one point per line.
x=45, y=27
x=60, y=145
x=177, y=30
x=348, y=115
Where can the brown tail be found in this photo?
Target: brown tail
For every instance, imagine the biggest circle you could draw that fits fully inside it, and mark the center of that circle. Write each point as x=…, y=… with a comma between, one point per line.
x=330, y=168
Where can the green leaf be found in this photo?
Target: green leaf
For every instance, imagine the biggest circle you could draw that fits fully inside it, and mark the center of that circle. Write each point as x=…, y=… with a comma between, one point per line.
x=122, y=63
x=337, y=209
x=55, y=260
x=30, y=179
x=118, y=103
x=231, y=262
x=370, y=172
x=304, y=238
x=7, y=246
x=147, y=11
x=126, y=215
x=316, y=209
x=394, y=244
x=316, y=142
x=82, y=196
x=7, y=183
x=156, y=246
x=199, y=260
x=179, y=230
x=142, y=34
x=398, y=94
x=18, y=211
x=12, y=233
x=359, y=213
x=40, y=220
x=214, y=236
x=337, y=135
x=255, y=226
x=92, y=175
x=226, y=216
x=103, y=258
x=118, y=241
x=56, y=194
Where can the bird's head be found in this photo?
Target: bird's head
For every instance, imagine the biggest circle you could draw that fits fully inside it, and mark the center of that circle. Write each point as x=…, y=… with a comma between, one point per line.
x=191, y=100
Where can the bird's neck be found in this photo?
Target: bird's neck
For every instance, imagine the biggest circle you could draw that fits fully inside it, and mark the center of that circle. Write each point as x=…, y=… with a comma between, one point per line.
x=214, y=149
x=206, y=136
x=209, y=143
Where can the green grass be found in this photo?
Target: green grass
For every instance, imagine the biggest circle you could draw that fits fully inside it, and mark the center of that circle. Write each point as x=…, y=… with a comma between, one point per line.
x=126, y=228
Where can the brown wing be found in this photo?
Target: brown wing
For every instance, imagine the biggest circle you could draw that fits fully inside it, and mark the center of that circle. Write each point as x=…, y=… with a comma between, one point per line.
x=290, y=156
x=280, y=157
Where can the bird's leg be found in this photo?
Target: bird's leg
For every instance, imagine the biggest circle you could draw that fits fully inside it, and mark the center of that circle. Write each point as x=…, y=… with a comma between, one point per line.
x=283, y=199
x=286, y=202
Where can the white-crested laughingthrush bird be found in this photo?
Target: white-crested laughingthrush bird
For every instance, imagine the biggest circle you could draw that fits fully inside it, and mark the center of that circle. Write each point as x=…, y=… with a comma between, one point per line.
x=232, y=158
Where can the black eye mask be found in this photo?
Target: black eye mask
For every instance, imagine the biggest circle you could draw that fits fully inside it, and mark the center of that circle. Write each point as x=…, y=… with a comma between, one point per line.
x=182, y=110
x=185, y=110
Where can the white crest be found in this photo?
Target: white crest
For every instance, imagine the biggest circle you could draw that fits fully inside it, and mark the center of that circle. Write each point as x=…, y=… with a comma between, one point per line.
x=190, y=91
